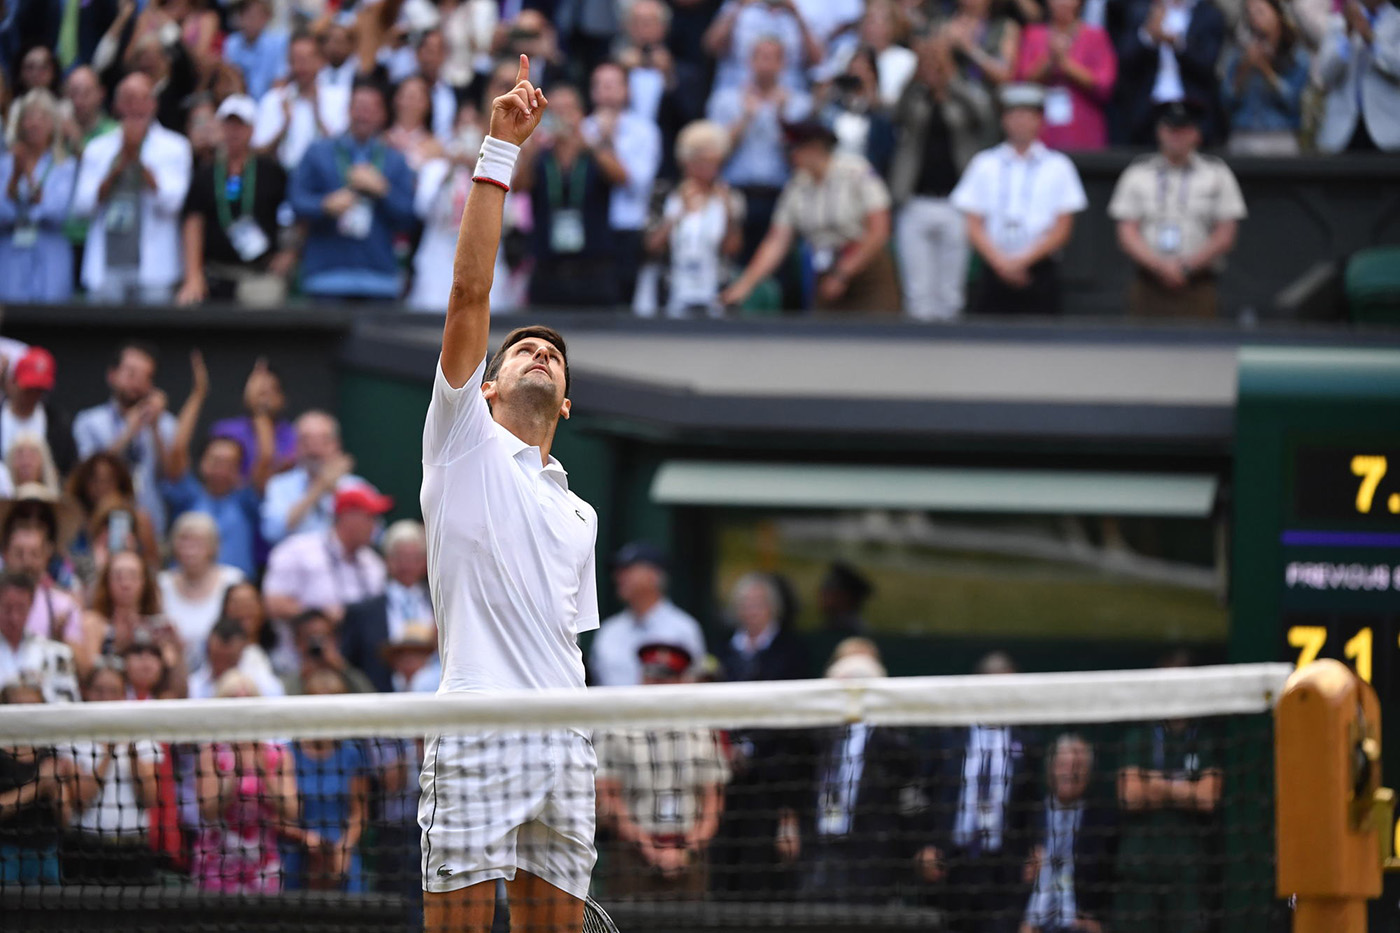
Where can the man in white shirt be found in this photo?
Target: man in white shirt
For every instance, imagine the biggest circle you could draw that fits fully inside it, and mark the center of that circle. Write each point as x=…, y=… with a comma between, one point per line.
x=338, y=49
x=49, y=663
x=309, y=107
x=639, y=573
x=1019, y=199
x=510, y=554
x=132, y=184
x=303, y=498
x=134, y=424
x=636, y=143
x=329, y=570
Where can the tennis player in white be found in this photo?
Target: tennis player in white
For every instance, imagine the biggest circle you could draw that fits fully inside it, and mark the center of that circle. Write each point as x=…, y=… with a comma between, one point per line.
x=510, y=557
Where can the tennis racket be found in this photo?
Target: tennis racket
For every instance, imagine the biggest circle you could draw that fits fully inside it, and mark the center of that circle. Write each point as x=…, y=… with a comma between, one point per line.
x=596, y=919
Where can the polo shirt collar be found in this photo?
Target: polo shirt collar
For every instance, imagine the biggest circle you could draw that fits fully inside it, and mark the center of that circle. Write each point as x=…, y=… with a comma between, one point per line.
x=1192, y=164
x=765, y=638
x=515, y=447
x=1036, y=151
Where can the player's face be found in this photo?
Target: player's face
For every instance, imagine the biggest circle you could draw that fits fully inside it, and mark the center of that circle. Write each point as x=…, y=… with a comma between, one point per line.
x=532, y=374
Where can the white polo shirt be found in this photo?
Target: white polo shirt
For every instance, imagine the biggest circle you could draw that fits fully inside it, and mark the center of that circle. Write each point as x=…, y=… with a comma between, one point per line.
x=1019, y=197
x=510, y=551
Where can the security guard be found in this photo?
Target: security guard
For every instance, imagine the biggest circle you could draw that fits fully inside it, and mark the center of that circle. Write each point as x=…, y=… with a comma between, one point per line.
x=1019, y=199
x=1169, y=786
x=1177, y=213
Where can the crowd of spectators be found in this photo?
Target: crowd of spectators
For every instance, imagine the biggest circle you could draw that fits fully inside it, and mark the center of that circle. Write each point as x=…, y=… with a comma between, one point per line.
x=137, y=566
x=1001, y=828
x=1005, y=829
x=699, y=155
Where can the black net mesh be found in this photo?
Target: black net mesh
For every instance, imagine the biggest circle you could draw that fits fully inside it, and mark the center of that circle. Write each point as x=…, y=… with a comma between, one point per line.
x=1098, y=826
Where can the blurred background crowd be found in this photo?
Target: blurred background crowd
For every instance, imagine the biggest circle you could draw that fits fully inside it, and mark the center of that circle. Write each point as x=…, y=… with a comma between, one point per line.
x=138, y=565
x=698, y=155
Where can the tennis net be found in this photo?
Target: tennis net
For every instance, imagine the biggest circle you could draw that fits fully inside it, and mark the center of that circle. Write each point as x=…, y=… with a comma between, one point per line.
x=1112, y=801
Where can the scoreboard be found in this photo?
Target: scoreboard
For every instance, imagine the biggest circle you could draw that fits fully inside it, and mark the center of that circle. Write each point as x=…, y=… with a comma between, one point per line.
x=1316, y=517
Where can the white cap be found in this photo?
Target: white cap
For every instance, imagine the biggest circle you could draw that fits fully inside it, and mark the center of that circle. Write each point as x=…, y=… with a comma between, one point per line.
x=240, y=106
x=1022, y=94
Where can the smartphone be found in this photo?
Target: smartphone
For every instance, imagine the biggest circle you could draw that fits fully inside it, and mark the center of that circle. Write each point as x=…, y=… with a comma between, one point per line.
x=119, y=531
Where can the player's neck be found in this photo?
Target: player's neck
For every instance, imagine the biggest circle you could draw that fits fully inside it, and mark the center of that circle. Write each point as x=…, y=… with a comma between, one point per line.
x=534, y=429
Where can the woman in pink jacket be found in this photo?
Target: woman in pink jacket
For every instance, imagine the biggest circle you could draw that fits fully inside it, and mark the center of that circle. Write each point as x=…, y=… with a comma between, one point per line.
x=1077, y=65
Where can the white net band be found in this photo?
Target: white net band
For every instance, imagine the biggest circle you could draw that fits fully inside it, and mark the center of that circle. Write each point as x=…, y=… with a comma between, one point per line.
x=1030, y=699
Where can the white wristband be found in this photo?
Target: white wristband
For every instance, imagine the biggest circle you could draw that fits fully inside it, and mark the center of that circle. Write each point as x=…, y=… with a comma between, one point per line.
x=496, y=162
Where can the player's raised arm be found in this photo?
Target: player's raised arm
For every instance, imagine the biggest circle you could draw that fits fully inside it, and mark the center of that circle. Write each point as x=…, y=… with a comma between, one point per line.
x=514, y=116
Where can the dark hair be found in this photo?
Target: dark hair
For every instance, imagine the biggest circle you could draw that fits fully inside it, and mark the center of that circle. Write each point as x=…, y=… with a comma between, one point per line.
x=267, y=637
x=82, y=475
x=55, y=83
x=227, y=629
x=223, y=439
x=14, y=580
x=140, y=346
x=304, y=35
x=30, y=513
x=368, y=83
x=547, y=334
x=304, y=619
x=435, y=31
x=1287, y=35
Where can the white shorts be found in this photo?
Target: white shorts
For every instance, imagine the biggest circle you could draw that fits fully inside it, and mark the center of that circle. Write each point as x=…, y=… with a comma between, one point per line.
x=496, y=802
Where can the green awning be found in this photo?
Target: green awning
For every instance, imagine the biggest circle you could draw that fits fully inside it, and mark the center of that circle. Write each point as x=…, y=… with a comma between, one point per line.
x=934, y=489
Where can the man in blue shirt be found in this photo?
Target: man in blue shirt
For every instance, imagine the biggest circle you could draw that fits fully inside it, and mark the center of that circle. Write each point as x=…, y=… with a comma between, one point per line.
x=133, y=424
x=355, y=193
x=303, y=498
x=257, y=51
x=219, y=490
x=754, y=114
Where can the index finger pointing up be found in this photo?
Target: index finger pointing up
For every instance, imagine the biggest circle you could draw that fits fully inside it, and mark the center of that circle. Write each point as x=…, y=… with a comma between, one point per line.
x=523, y=73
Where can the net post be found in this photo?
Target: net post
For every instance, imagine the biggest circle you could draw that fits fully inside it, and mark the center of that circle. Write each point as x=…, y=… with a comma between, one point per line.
x=1327, y=772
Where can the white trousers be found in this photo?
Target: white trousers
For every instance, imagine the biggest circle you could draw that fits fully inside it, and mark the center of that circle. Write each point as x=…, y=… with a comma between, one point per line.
x=931, y=237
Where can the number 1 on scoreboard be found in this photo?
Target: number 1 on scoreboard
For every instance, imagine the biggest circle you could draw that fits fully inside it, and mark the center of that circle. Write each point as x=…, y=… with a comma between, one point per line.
x=1358, y=649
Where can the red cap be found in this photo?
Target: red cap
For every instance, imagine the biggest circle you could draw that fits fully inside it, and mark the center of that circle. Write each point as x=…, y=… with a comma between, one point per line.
x=664, y=659
x=35, y=370
x=364, y=497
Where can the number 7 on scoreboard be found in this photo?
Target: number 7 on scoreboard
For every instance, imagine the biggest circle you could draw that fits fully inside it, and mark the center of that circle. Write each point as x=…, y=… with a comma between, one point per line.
x=1308, y=639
